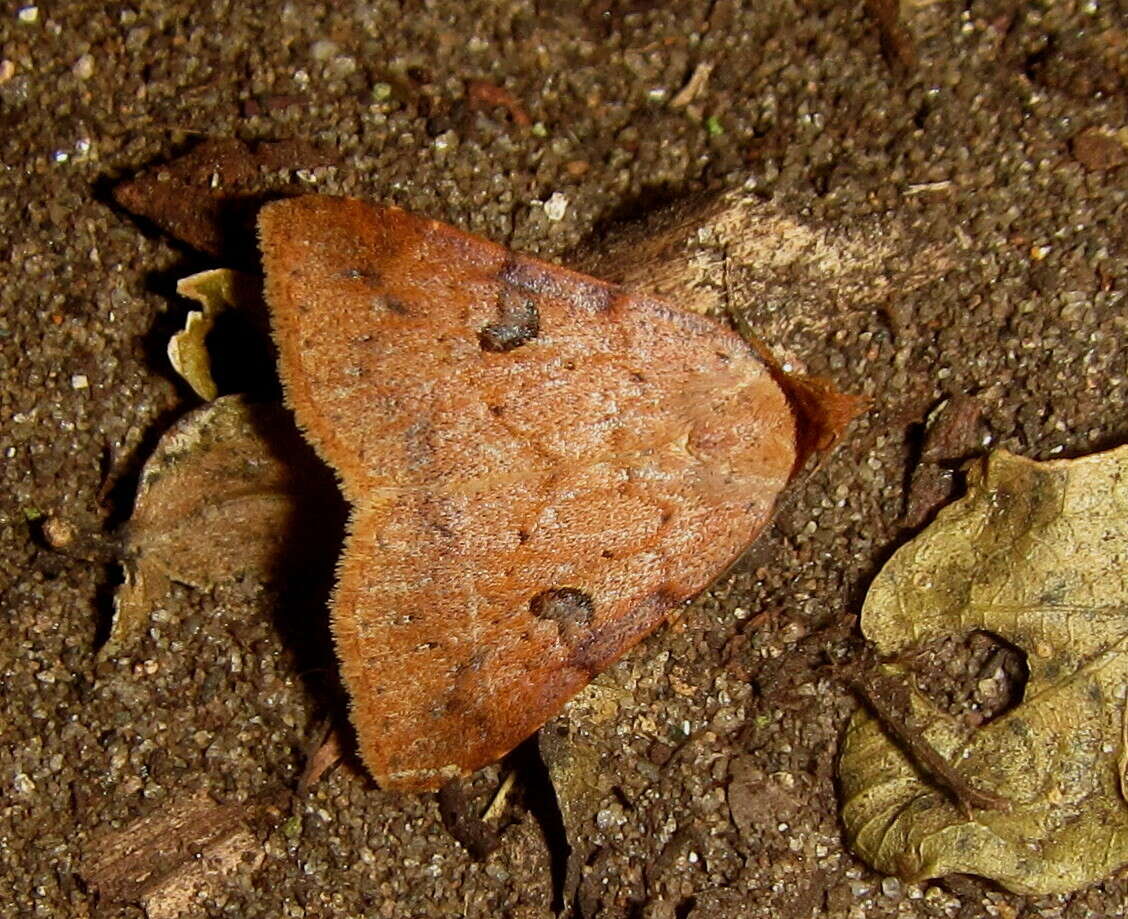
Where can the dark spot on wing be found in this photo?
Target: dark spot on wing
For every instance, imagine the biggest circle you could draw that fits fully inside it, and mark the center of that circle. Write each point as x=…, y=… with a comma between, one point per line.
x=571, y=609
x=602, y=644
x=518, y=319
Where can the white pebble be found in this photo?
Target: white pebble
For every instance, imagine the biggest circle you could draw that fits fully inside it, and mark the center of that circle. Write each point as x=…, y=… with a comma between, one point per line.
x=556, y=206
x=84, y=67
x=323, y=49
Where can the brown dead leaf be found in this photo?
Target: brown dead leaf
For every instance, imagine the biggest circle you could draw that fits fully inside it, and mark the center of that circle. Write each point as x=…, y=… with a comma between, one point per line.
x=208, y=198
x=953, y=433
x=1034, y=554
x=1098, y=148
x=219, y=499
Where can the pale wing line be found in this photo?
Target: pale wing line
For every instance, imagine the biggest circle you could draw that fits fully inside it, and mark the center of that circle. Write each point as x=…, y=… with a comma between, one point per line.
x=374, y=493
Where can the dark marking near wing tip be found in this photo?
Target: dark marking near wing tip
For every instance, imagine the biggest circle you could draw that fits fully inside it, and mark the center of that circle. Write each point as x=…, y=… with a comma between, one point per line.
x=571, y=609
x=518, y=321
x=577, y=289
x=593, y=649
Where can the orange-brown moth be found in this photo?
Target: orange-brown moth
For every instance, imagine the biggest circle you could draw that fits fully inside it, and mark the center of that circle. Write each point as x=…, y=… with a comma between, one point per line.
x=541, y=466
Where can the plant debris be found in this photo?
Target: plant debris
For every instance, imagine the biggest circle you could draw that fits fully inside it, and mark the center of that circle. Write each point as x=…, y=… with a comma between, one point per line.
x=570, y=752
x=1097, y=148
x=171, y=858
x=1034, y=554
x=208, y=197
x=217, y=291
x=220, y=498
x=481, y=94
x=897, y=43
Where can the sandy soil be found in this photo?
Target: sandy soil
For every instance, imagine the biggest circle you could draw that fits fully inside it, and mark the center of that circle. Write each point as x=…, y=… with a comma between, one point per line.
x=984, y=167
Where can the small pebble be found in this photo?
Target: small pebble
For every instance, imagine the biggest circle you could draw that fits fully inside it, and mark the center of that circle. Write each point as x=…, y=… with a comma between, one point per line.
x=556, y=207
x=84, y=67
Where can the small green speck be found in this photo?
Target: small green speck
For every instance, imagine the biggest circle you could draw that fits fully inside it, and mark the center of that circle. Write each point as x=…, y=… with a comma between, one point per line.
x=539, y=130
x=381, y=91
x=713, y=126
x=762, y=721
x=31, y=514
x=292, y=828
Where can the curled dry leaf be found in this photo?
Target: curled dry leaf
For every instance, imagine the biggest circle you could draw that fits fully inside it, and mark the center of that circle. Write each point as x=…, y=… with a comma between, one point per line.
x=216, y=291
x=1034, y=554
x=219, y=498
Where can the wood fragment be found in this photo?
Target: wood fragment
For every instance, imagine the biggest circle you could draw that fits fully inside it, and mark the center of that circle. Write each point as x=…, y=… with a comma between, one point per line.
x=168, y=859
x=327, y=752
x=694, y=86
x=897, y=43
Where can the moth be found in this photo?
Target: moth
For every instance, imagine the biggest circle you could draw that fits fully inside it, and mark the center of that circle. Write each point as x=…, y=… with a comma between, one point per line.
x=541, y=466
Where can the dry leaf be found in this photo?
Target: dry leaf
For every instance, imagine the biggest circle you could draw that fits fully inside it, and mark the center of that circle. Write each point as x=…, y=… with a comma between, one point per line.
x=224, y=346
x=1034, y=554
x=571, y=756
x=220, y=498
x=208, y=197
x=216, y=290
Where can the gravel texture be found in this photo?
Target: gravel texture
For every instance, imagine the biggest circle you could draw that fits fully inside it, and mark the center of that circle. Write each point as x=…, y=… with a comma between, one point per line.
x=719, y=732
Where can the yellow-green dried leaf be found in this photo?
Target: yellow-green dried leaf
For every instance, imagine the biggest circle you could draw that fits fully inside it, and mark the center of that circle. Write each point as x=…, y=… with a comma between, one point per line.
x=569, y=746
x=216, y=290
x=1034, y=554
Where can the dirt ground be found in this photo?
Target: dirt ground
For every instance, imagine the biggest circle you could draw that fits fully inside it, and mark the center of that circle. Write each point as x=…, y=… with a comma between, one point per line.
x=971, y=150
